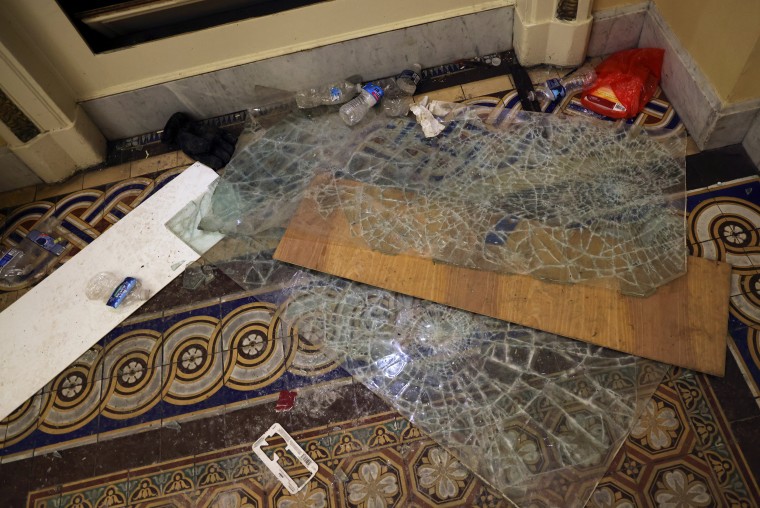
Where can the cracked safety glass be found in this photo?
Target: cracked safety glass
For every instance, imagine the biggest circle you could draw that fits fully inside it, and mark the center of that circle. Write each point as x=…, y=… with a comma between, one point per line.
x=564, y=199
x=525, y=410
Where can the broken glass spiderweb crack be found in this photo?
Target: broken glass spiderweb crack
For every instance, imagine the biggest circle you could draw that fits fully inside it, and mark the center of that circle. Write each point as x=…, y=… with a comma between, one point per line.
x=529, y=412
x=562, y=199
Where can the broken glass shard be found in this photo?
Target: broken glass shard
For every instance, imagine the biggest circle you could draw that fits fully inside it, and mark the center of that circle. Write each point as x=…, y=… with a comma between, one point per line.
x=562, y=199
x=529, y=412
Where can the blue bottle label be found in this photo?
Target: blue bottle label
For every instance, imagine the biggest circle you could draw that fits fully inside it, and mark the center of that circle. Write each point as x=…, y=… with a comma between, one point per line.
x=556, y=88
x=411, y=75
x=46, y=241
x=374, y=90
x=121, y=292
x=8, y=256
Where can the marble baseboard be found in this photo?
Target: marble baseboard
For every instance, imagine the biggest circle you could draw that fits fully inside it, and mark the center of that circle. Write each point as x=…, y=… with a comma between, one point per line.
x=751, y=141
x=236, y=88
x=732, y=124
x=710, y=123
x=616, y=29
x=14, y=173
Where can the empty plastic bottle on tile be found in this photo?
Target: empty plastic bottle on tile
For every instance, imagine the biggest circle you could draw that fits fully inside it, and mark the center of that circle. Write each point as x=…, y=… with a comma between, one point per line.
x=394, y=101
x=114, y=290
x=352, y=112
x=28, y=261
x=408, y=80
x=16, y=263
x=330, y=94
x=555, y=88
x=399, y=92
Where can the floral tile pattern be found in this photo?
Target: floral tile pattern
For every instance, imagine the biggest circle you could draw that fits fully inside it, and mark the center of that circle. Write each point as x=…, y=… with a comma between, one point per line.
x=174, y=366
x=680, y=454
x=182, y=362
x=380, y=460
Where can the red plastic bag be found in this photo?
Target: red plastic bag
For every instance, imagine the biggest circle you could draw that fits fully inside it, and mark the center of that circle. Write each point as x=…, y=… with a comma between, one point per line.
x=625, y=82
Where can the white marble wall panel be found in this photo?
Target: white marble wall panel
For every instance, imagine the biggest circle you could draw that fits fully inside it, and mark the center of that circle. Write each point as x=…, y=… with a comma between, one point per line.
x=752, y=140
x=616, y=29
x=235, y=88
x=732, y=125
x=682, y=80
x=14, y=173
x=54, y=323
x=710, y=122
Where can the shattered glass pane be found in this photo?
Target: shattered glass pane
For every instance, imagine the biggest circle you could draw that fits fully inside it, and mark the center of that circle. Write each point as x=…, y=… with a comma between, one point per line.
x=527, y=411
x=562, y=199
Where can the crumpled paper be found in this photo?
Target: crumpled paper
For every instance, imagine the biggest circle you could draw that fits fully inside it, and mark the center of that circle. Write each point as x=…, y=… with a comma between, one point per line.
x=429, y=114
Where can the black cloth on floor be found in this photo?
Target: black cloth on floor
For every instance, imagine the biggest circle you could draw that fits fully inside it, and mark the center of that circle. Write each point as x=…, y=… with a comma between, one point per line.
x=207, y=144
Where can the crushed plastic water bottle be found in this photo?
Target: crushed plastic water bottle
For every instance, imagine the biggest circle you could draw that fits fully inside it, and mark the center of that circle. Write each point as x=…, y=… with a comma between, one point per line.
x=352, y=112
x=28, y=261
x=11, y=264
x=408, y=80
x=330, y=94
x=398, y=94
x=554, y=89
x=395, y=102
x=115, y=291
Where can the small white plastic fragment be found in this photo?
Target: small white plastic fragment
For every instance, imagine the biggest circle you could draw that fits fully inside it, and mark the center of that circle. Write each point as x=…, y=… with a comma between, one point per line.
x=274, y=467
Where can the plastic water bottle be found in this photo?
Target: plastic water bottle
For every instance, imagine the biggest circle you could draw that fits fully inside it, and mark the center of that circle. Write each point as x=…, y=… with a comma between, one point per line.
x=399, y=92
x=408, y=80
x=29, y=260
x=391, y=102
x=352, y=112
x=555, y=88
x=329, y=94
x=114, y=290
x=396, y=102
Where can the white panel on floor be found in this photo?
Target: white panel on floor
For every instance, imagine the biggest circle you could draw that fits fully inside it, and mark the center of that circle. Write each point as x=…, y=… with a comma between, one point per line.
x=53, y=324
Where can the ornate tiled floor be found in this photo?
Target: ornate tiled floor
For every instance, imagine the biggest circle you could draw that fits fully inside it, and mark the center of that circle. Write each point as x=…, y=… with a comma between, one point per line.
x=162, y=411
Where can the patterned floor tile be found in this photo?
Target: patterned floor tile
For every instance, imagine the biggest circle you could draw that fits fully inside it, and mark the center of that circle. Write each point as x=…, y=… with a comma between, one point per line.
x=718, y=446
x=175, y=366
x=83, y=214
x=20, y=426
x=380, y=460
x=682, y=450
x=184, y=390
x=723, y=224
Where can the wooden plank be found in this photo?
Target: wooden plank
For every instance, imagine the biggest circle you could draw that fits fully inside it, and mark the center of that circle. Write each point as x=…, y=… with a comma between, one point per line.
x=684, y=323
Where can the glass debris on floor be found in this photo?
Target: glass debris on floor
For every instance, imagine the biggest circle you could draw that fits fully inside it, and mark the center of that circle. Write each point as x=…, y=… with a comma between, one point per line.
x=525, y=410
x=562, y=199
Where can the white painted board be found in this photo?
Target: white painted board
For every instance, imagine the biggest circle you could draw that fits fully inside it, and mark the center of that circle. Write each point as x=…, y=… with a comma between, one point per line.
x=52, y=325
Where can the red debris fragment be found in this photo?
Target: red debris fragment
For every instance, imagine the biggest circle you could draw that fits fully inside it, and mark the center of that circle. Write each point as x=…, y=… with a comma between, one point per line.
x=286, y=401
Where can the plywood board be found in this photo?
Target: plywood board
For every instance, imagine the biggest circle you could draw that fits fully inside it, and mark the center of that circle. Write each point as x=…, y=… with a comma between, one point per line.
x=684, y=323
x=49, y=327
